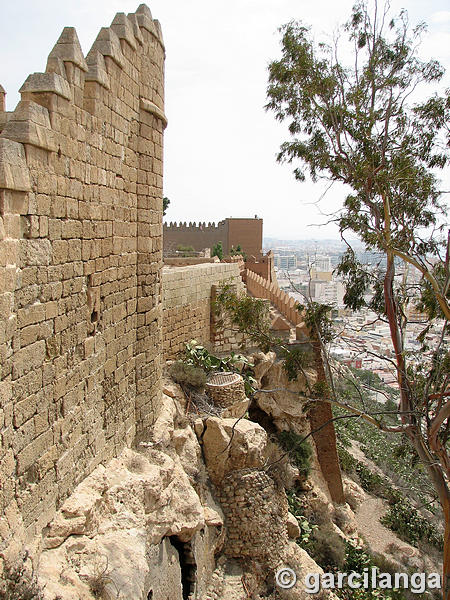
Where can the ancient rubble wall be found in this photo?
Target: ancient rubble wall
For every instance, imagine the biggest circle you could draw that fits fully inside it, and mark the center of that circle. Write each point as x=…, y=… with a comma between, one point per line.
x=187, y=294
x=81, y=253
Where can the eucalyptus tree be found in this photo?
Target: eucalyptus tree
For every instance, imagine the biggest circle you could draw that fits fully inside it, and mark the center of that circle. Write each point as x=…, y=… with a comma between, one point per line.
x=358, y=122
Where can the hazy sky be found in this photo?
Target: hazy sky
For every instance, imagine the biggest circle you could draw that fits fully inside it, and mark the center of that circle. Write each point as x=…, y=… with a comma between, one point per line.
x=220, y=145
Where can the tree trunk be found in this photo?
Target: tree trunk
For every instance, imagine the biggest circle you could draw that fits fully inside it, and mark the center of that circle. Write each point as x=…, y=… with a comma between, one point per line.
x=440, y=485
x=325, y=438
x=446, y=567
x=414, y=433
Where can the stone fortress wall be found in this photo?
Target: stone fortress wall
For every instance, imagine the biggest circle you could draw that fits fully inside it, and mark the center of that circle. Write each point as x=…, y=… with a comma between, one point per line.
x=231, y=232
x=81, y=254
x=187, y=295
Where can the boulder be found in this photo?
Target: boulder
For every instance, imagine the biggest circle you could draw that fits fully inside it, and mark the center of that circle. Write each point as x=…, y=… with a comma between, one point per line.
x=262, y=363
x=286, y=405
x=231, y=444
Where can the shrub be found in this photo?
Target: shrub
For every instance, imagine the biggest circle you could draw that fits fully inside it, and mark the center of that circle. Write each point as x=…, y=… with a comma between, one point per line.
x=279, y=466
x=188, y=375
x=299, y=451
x=249, y=315
x=348, y=462
x=370, y=481
x=402, y=517
x=19, y=584
x=217, y=250
x=306, y=528
x=410, y=525
x=295, y=360
x=198, y=356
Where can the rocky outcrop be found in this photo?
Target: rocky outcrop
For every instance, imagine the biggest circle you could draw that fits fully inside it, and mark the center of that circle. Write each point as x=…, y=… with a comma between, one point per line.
x=145, y=525
x=231, y=444
x=196, y=511
x=283, y=400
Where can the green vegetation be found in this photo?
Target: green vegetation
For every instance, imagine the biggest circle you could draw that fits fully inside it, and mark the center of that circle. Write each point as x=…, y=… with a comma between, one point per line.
x=306, y=528
x=238, y=252
x=410, y=525
x=295, y=361
x=199, y=357
x=166, y=203
x=300, y=451
x=186, y=374
x=317, y=318
x=402, y=517
x=391, y=452
x=185, y=250
x=19, y=584
x=249, y=315
x=355, y=123
x=217, y=250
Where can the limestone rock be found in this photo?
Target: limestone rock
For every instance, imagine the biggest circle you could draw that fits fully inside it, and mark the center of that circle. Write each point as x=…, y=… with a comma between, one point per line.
x=188, y=449
x=293, y=527
x=285, y=407
x=172, y=389
x=236, y=410
x=164, y=424
x=262, y=362
x=302, y=564
x=117, y=525
x=354, y=494
x=231, y=444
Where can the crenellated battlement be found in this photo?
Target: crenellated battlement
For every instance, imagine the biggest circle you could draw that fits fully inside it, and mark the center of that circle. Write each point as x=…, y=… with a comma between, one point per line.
x=129, y=46
x=193, y=226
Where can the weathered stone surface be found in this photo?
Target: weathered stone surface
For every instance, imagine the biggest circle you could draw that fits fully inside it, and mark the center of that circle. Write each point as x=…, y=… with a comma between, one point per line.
x=81, y=174
x=47, y=83
x=187, y=293
x=14, y=174
x=68, y=49
x=108, y=44
x=263, y=363
x=30, y=124
x=97, y=69
x=123, y=27
x=302, y=564
x=123, y=516
x=293, y=528
x=151, y=108
x=231, y=444
x=237, y=410
x=285, y=406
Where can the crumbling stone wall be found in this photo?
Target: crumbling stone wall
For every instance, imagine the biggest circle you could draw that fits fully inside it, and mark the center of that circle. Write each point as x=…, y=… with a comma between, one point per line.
x=256, y=514
x=187, y=294
x=80, y=251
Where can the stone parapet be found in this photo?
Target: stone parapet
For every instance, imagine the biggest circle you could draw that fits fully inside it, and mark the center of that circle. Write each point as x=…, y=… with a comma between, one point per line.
x=262, y=288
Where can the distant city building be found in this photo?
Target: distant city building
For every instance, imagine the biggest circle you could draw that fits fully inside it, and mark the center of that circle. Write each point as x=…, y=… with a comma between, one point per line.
x=285, y=262
x=321, y=263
